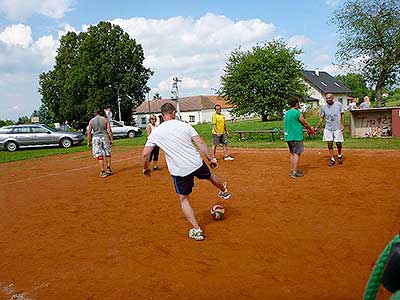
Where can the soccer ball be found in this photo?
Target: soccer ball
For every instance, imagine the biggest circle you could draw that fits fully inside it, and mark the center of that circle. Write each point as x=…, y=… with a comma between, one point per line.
x=217, y=212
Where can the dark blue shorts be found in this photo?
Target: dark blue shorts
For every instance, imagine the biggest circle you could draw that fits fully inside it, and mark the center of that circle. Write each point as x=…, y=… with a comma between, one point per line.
x=184, y=185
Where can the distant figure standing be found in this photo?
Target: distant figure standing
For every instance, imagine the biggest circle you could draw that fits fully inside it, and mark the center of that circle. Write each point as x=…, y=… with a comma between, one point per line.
x=294, y=123
x=366, y=104
x=220, y=132
x=333, y=113
x=184, y=162
x=353, y=104
x=101, y=141
x=108, y=113
x=156, y=150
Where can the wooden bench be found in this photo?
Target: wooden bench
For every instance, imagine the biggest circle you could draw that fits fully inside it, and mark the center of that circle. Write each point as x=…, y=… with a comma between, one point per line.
x=274, y=132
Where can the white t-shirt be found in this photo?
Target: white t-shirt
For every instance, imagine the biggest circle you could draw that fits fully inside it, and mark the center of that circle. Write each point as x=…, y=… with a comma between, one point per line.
x=175, y=139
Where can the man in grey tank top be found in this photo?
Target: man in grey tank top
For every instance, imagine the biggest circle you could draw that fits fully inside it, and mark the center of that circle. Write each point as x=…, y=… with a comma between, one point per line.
x=100, y=139
x=333, y=113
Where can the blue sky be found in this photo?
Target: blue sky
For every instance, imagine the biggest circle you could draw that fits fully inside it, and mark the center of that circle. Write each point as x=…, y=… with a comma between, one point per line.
x=189, y=39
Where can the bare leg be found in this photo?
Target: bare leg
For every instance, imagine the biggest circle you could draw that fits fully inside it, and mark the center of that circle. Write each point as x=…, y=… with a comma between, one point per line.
x=216, y=181
x=225, y=150
x=214, y=149
x=101, y=164
x=188, y=210
x=296, y=161
x=330, y=148
x=108, y=161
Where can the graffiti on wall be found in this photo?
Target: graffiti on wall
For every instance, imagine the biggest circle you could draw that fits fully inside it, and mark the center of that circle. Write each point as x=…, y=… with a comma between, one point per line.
x=375, y=125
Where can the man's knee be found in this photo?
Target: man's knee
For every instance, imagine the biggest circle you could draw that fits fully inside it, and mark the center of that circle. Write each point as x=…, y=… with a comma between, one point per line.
x=330, y=145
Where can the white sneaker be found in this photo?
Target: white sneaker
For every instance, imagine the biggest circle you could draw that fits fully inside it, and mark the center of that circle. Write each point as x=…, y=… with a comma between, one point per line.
x=224, y=194
x=228, y=158
x=196, y=234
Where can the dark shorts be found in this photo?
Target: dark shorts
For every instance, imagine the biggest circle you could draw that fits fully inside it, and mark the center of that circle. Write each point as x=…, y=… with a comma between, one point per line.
x=296, y=147
x=184, y=185
x=219, y=139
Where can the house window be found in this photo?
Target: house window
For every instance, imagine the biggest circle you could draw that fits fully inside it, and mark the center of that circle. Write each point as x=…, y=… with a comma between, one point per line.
x=191, y=119
x=143, y=120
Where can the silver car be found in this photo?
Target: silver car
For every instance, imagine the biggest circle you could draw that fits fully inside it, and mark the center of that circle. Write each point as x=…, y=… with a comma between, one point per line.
x=121, y=130
x=36, y=135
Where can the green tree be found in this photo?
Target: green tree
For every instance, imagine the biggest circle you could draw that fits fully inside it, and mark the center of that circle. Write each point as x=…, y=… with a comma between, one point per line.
x=24, y=120
x=44, y=115
x=262, y=79
x=93, y=69
x=157, y=96
x=369, y=42
x=6, y=122
x=357, y=84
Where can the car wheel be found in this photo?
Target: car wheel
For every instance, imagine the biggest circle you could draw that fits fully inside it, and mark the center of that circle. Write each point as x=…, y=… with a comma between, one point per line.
x=131, y=134
x=66, y=142
x=11, y=146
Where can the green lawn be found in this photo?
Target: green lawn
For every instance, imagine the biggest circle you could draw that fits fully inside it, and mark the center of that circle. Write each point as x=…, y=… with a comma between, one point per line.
x=250, y=141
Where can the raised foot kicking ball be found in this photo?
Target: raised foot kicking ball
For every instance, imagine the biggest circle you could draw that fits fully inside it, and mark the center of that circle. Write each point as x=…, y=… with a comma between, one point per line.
x=217, y=212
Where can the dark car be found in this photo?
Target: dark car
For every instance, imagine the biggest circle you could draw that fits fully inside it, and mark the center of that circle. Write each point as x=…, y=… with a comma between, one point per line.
x=36, y=135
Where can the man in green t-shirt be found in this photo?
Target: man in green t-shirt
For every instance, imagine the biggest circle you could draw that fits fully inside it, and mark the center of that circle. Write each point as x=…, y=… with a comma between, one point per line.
x=294, y=123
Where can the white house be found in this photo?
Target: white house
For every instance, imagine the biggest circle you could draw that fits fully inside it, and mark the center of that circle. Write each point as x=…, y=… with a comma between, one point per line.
x=194, y=110
x=320, y=83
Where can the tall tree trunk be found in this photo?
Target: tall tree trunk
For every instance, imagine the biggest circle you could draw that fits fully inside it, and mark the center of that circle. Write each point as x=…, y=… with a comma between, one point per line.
x=378, y=94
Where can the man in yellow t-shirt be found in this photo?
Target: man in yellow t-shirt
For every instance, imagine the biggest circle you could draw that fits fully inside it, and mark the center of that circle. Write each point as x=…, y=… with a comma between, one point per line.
x=220, y=132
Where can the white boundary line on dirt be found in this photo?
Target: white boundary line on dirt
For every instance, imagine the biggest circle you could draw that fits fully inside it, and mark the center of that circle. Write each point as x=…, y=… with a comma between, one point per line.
x=61, y=173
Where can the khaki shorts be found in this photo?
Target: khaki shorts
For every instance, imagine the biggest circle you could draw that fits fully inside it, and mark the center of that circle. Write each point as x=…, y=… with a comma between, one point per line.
x=101, y=146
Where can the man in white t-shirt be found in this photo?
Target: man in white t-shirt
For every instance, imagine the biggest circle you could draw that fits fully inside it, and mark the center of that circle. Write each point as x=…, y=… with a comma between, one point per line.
x=184, y=162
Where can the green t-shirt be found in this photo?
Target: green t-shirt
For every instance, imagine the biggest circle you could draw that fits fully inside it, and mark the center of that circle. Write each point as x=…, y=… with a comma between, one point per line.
x=293, y=127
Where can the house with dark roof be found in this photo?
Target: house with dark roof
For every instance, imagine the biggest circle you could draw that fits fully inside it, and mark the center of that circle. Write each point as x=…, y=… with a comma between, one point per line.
x=319, y=84
x=194, y=110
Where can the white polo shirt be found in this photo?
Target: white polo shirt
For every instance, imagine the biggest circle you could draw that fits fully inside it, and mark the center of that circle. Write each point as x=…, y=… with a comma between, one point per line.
x=175, y=139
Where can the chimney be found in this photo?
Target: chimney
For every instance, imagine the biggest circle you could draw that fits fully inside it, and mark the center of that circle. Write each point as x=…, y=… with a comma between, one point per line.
x=317, y=72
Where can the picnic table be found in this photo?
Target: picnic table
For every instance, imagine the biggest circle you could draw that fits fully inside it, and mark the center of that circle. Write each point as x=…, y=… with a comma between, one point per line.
x=274, y=132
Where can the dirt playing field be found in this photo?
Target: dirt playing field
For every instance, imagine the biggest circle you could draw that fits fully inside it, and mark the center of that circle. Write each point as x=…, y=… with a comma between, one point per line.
x=68, y=234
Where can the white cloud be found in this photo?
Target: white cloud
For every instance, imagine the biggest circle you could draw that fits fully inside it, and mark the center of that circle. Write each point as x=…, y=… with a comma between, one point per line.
x=17, y=35
x=333, y=3
x=299, y=41
x=67, y=28
x=21, y=9
x=323, y=58
x=332, y=70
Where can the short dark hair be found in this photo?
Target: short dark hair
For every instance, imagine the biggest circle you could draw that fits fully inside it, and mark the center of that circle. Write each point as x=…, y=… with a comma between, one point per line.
x=293, y=101
x=97, y=111
x=167, y=109
x=217, y=105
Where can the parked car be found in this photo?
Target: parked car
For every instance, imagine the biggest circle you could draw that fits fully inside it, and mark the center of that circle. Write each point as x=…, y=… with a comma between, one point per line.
x=121, y=130
x=36, y=135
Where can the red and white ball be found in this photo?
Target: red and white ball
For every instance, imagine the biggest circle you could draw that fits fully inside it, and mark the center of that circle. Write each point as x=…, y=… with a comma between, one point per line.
x=217, y=212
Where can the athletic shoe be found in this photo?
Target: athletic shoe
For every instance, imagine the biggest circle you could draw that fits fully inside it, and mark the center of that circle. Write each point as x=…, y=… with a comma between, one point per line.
x=340, y=160
x=196, y=234
x=228, y=158
x=109, y=171
x=103, y=174
x=331, y=162
x=297, y=174
x=224, y=194
x=155, y=168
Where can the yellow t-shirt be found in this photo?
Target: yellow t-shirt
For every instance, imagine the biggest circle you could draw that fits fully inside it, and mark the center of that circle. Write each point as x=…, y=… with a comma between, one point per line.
x=219, y=121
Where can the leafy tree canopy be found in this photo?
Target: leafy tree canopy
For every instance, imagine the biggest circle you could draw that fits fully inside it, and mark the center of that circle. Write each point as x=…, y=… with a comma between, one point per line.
x=357, y=84
x=44, y=115
x=95, y=69
x=369, y=32
x=262, y=79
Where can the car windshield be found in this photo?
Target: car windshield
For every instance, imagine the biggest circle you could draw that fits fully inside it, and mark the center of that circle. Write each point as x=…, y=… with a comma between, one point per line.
x=49, y=128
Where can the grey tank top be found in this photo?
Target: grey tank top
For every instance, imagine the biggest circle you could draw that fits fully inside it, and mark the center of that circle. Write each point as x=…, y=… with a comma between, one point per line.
x=99, y=125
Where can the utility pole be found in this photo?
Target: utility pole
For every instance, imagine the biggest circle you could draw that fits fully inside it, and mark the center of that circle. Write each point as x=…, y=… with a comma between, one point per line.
x=119, y=105
x=176, y=93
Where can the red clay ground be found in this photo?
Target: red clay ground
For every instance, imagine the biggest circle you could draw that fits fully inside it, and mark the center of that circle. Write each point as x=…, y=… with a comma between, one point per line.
x=68, y=234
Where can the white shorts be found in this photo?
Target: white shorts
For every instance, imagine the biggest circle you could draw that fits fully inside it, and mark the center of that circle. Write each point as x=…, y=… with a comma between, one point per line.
x=101, y=146
x=333, y=136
